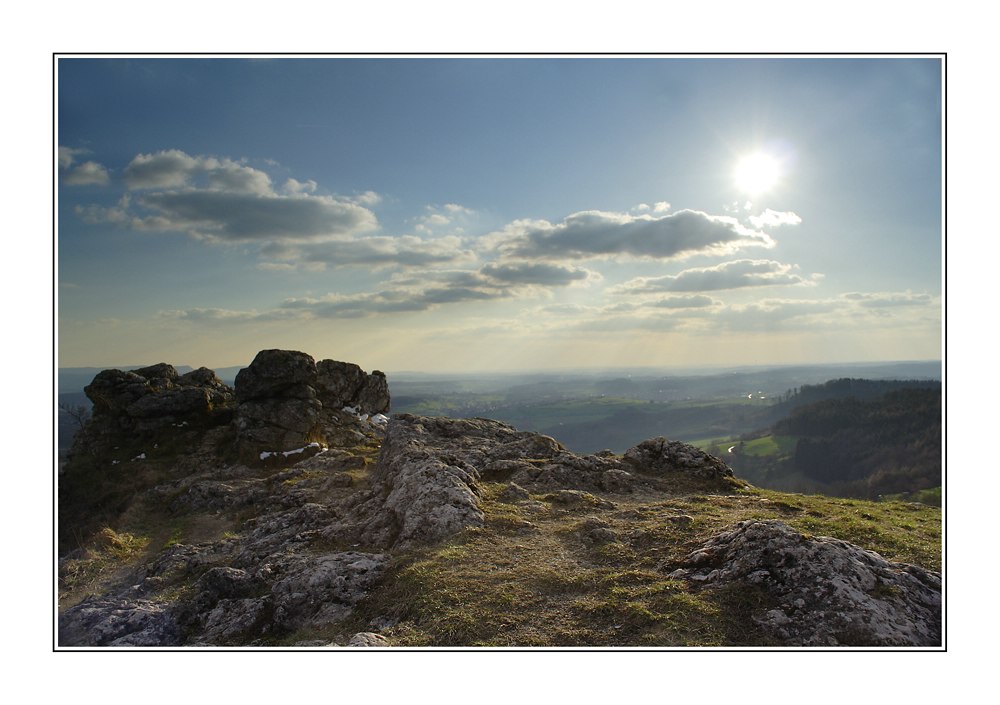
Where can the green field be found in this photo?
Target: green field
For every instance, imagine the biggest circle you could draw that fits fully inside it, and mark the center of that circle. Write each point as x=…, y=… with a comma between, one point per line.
x=770, y=445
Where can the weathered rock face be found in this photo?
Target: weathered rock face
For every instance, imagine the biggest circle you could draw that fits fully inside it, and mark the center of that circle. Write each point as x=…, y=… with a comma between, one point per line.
x=426, y=485
x=828, y=592
x=287, y=400
x=658, y=456
x=154, y=397
x=118, y=622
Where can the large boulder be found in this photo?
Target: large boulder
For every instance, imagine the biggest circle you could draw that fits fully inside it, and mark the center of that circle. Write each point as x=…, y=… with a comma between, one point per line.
x=287, y=401
x=659, y=456
x=277, y=374
x=821, y=591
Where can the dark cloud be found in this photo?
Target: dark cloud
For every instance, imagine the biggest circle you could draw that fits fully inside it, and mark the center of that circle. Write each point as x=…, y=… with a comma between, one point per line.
x=737, y=274
x=391, y=301
x=679, y=302
x=541, y=273
x=406, y=251
x=597, y=234
x=428, y=290
x=242, y=217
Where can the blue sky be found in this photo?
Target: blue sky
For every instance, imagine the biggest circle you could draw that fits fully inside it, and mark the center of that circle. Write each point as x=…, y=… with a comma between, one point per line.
x=454, y=214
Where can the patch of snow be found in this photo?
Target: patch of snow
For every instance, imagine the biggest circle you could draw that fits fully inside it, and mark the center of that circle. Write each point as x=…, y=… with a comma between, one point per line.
x=294, y=451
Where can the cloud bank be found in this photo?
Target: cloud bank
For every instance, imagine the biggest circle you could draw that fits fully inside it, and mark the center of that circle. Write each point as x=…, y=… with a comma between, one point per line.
x=736, y=274
x=605, y=235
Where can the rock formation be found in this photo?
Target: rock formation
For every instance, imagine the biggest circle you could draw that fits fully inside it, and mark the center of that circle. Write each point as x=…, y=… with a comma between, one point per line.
x=288, y=401
x=154, y=397
x=426, y=485
x=826, y=592
x=320, y=528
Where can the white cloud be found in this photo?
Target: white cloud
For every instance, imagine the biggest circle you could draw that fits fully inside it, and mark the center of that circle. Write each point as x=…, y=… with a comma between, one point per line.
x=772, y=219
x=117, y=214
x=67, y=156
x=367, y=198
x=296, y=186
x=87, y=174
x=450, y=216
x=173, y=168
x=736, y=274
x=889, y=299
x=221, y=315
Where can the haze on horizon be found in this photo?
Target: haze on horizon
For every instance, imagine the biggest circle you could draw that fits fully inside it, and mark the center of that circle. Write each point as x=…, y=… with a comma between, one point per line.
x=461, y=214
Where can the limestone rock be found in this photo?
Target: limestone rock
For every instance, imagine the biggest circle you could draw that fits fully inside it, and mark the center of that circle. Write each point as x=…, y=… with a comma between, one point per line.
x=368, y=639
x=423, y=488
x=514, y=493
x=827, y=592
x=658, y=456
x=373, y=397
x=317, y=590
x=118, y=622
x=426, y=485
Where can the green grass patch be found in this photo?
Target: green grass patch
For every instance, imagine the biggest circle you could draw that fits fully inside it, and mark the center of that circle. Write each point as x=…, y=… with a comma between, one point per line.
x=770, y=445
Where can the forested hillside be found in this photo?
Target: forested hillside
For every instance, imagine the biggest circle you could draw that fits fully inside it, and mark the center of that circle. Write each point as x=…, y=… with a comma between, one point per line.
x=850, y=446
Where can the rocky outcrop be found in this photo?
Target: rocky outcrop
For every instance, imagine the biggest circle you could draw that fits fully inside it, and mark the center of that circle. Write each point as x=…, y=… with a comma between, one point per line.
x=155, y=397
x=823, y=591
x=114, y=621
x=297, y=531
x=658, y=456
x=288, y=401
x=427, y=484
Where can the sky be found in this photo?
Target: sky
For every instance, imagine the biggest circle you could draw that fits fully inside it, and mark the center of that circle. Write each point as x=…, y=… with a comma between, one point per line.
x=445, y=214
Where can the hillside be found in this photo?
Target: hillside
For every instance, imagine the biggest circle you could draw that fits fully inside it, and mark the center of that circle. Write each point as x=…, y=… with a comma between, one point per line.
x=289, y=512
x=875, y=444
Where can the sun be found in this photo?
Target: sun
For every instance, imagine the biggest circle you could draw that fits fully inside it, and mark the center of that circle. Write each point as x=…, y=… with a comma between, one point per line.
x=757, y=173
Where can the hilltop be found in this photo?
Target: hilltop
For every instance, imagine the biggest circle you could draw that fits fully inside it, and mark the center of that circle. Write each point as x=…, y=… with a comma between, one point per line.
x=289, y=510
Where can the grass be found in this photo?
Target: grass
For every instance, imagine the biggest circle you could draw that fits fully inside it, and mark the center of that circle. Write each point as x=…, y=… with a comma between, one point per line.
x=770, y=445
x=496, y=586
x=110, y=555
x=931, y=496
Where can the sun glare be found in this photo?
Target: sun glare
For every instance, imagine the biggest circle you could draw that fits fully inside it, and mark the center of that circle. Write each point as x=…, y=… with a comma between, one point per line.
x=757, y=173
